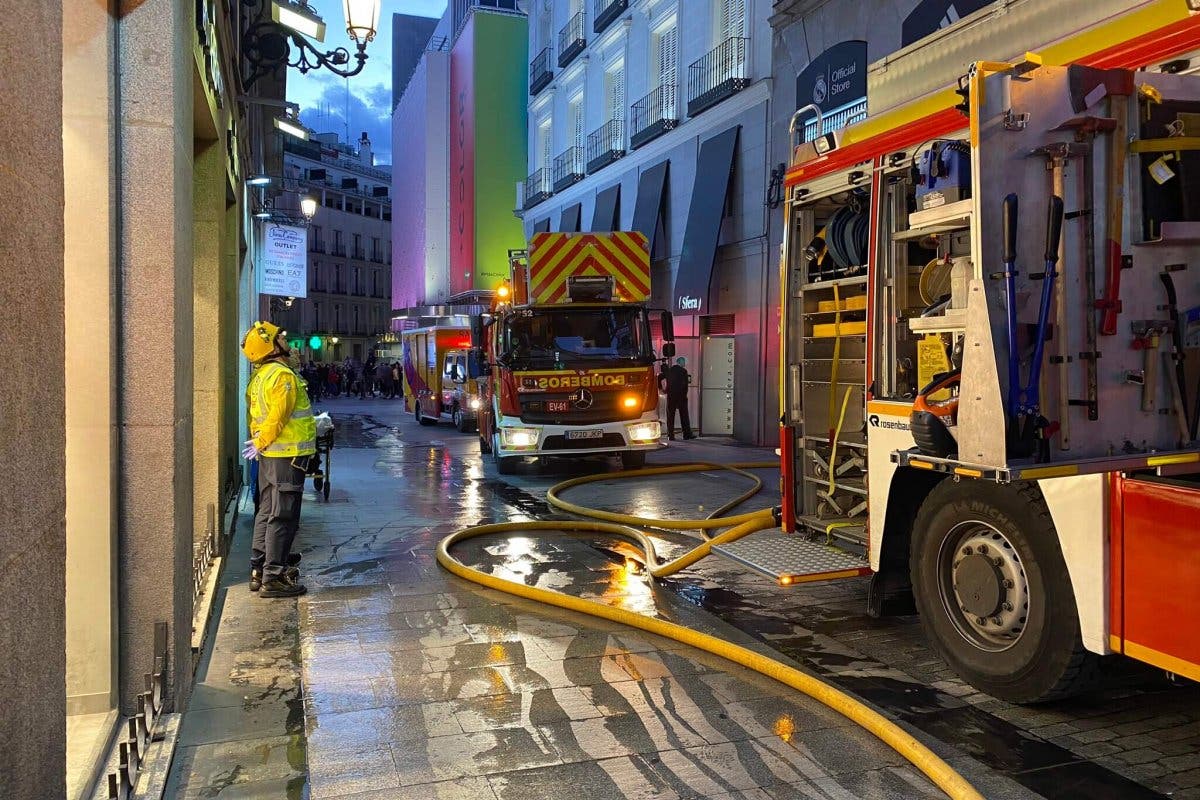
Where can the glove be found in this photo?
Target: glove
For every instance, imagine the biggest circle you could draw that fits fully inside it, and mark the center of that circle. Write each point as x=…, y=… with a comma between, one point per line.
x=251, y=453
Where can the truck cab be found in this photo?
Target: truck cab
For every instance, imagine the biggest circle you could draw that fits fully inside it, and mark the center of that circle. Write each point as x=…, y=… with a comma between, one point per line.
x=460, y=387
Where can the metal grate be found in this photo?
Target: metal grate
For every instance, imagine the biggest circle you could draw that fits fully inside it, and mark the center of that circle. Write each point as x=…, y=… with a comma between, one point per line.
x=540, y=72
x=653, y=115
x=836, y=120
x=571, y=40
x=780, y=554
x=568, y=168
x=605, y=144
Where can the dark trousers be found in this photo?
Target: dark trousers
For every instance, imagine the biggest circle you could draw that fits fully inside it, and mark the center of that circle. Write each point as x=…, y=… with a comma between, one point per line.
x=280, y=490
x=678, y=403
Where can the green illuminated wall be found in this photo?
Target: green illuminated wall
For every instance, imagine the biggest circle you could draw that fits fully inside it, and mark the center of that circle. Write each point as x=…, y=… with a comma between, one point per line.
x=501, y=86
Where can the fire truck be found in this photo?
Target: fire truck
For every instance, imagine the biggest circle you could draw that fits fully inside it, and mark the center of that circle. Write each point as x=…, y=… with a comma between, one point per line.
x=439, y=381
x=568, y=346
x=990, y=335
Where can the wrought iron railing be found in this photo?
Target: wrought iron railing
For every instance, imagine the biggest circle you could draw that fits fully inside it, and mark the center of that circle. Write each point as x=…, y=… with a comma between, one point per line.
x=316, y=246
x=136, y=732
x=571, y=40
x=540, y=73
x=604, y=12
x=653, y=115
x=360, y=254
x=338, y=250
x=605, y=144
x=568, y=168
x=537, y=187
x=846, y=115
x=720, y=73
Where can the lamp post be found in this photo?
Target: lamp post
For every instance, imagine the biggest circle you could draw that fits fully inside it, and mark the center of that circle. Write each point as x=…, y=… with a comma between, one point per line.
x=283, y=32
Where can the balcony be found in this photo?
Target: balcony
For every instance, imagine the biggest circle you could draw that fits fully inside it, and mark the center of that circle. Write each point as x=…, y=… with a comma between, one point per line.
x=537, y=187
x=360, y=254
x=338, y=249
x=604, y=12
x=719, y=74
x=539, y=72
x=653, y=115
x=568, y=168
x=605, y=145
x=316, y=246
x=570, y=40
x=377, y=256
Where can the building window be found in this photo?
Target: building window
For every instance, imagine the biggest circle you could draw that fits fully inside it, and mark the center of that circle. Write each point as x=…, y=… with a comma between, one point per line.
x=729, y=20
x=316, y=316
x=575, y=120
x=337, y=278
x=337, y=318
x=314, y=282
x=358, y=251
x=614, y=90
x=545, y=25
x=664, y=60
x=545, y=144
x=357, y=325
x=375, y=283
x=356, y=281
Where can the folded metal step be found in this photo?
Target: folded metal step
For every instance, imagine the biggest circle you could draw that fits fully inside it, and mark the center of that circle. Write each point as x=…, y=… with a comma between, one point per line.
x=791, y=558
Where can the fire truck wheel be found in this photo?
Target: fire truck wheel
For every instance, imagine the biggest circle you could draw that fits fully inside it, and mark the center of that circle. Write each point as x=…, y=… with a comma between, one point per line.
x=421, y=420
x=459, y=420
x=633, y=459
x=505, y=465
x=485, y=443
x=994, y=594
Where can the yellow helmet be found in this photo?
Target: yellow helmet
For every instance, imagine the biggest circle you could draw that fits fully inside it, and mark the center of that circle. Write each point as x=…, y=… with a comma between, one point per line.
x=259, y=341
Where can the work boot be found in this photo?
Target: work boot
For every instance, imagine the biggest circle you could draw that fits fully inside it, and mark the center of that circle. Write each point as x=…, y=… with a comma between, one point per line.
x=293, y=559
x=689, y=436
x=281, y=587
x=255, y=579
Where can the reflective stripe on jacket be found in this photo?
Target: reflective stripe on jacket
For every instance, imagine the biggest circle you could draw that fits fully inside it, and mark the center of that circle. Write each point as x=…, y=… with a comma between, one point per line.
x=281, y=417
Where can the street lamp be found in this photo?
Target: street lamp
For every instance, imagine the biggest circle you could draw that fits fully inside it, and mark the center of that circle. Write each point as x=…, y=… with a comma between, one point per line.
x=308, y=206
x=258, y=180
x=268, y=44
x=362, y=19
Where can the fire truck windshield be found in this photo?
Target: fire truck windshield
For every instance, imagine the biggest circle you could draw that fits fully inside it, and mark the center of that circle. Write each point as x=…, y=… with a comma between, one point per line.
x=541, y=337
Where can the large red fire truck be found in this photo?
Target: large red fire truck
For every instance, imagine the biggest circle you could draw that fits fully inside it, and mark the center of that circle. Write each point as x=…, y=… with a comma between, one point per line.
x=989, y=351
x=568, y=346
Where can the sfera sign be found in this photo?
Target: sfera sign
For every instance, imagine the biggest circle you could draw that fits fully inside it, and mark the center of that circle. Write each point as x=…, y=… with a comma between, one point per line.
x=835, y=78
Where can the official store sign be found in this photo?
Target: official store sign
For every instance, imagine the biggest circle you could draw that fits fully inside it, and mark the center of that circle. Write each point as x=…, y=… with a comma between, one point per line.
x=285, y=261
x=835, y=78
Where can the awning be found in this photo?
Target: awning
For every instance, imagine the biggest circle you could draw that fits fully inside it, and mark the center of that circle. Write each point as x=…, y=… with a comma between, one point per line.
x=605, y=216
x=542, y=226
x=648, y=207
x=714, y=166
x=569, y=221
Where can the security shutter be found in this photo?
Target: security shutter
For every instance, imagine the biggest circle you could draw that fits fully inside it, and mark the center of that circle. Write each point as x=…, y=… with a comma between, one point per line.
x=615, y=88
x=733, y=14
x=668, y=76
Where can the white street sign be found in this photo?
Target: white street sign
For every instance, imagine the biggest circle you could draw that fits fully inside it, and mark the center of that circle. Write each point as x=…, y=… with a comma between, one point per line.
x=285, y=261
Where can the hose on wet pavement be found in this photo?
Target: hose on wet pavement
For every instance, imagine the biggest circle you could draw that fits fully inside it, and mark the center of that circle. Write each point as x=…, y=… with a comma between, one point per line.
x=626, y=527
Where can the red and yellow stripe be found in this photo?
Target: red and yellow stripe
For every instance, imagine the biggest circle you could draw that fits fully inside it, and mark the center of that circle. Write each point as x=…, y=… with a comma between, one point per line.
x=554, y=257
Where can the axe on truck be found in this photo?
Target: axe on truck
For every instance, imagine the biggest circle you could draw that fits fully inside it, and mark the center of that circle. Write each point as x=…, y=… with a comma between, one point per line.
x=1088, y=86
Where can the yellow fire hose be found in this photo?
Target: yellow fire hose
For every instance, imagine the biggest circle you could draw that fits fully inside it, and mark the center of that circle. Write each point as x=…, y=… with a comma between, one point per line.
x=606, y=522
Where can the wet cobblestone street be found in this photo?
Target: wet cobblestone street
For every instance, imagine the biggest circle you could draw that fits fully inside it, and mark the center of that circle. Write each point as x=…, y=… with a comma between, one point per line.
x=393, y=679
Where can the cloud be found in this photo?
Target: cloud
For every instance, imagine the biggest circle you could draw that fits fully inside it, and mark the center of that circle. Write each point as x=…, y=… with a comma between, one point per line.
x=369, y=110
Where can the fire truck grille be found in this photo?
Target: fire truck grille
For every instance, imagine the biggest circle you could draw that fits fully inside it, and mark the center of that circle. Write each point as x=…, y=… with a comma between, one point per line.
x=563, y=443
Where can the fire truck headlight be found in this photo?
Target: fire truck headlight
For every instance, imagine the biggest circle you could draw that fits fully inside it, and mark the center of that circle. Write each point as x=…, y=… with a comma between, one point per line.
x=519, y=437
x=644, y=432
x=475, y=404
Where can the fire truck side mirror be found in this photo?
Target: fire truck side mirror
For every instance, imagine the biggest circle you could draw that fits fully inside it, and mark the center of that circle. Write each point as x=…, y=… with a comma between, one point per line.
x=477, y=324
x=668, y=350
x=668, y=326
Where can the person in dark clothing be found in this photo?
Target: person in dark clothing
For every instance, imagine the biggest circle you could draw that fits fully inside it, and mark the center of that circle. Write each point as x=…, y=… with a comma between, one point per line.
x=674, y=381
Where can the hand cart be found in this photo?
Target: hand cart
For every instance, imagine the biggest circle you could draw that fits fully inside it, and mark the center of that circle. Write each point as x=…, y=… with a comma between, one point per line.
x=319, y=466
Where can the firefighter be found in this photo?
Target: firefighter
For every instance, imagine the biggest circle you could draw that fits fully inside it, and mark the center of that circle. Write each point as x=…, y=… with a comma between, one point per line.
x=282, y=439
x=675, y=381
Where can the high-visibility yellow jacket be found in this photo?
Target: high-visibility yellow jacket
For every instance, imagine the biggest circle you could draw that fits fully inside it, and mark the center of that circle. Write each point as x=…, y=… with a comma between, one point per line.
x=281, y=417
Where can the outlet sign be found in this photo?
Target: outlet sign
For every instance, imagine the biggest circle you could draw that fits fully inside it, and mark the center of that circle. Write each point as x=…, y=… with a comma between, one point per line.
x=835, y=78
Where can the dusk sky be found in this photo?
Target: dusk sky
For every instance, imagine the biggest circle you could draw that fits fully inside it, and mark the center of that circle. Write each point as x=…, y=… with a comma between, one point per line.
x=323, y=96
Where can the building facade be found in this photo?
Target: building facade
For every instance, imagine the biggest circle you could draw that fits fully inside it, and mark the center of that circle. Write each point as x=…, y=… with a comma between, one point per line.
x=349, y=249
x=461, y=125
x=122, y=429
x=410, y=38
x=655, y=116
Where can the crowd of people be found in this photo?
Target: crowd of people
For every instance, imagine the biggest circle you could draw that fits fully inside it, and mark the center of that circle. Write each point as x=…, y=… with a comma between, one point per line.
x=353, y=378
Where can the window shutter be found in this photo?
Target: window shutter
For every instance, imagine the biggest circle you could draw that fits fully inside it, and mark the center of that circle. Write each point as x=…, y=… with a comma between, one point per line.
x=732, y=13
x=616, y=93
x=667, y=69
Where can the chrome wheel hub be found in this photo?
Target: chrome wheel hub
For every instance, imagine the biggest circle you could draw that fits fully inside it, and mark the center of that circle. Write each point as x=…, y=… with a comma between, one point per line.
x=983, y=585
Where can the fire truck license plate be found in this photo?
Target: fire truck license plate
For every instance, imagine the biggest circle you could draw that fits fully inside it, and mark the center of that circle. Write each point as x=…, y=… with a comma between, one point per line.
x=558, y=405
x=594, y=433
